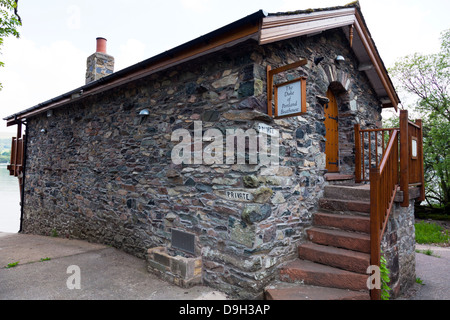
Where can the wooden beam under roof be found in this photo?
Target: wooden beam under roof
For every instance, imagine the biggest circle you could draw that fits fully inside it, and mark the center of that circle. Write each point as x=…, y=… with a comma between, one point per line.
x=284, y=26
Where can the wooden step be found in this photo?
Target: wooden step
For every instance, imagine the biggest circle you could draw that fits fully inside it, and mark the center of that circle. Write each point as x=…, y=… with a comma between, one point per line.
x=340, y=239
x=357, y=192
x=342, y=221
x=287, y=291
x=336, y=257
x=311, y=273
x=344, y=205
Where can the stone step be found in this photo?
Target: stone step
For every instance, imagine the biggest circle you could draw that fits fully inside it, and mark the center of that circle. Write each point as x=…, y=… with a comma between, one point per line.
x=340, y=179
x=345, y=205
x=289, y=291
x=342, y=221
x=358, y=193
x=340, y=239
x=310, y=273
x=335, y=257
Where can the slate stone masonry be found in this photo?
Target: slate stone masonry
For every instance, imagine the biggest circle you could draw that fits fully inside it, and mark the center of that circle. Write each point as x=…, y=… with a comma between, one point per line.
x=398, y=247
x=103, y=173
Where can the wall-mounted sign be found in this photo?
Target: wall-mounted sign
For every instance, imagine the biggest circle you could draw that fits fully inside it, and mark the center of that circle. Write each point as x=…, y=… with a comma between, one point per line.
x=266, y=129
x=239, y=195
x=290, y=98
x=414, y=148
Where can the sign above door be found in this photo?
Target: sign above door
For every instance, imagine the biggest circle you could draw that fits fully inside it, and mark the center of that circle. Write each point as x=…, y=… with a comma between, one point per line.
x=290, y=96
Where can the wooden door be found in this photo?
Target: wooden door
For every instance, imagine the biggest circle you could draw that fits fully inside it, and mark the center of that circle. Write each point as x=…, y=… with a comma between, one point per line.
x=332, y=136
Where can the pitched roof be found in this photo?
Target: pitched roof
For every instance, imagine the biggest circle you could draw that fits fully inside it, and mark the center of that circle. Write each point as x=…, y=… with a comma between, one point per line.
x=260, y=26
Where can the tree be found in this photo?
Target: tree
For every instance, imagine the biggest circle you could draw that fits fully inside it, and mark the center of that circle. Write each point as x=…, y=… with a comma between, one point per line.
x=427, y=78
x=9, y=22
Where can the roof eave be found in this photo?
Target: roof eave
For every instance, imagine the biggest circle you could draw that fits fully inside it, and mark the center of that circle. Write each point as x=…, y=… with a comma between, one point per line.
x=240, y=30
x=280, y=26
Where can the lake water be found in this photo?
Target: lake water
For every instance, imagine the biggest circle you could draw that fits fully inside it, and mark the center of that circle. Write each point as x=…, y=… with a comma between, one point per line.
x=9, y=201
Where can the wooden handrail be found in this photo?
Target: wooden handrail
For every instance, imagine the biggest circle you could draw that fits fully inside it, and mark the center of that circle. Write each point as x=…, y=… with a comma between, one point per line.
x=389, y=149
x=400, y=166
x=383, y=188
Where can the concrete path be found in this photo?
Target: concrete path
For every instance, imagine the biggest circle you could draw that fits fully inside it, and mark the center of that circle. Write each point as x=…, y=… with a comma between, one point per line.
x=105, y=273
x=434, y=271
x=110, y=274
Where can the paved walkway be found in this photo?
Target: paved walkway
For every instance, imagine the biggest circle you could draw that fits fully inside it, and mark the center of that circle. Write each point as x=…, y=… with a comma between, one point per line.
x=105, y=273
x=110, y=274
x=434, y=271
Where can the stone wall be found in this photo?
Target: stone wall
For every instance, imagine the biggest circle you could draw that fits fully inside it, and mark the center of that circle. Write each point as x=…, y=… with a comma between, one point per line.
x=103, y=173
x=398, y=246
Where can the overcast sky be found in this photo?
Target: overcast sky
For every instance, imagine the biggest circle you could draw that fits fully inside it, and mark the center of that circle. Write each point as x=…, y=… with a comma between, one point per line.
x=49, y=59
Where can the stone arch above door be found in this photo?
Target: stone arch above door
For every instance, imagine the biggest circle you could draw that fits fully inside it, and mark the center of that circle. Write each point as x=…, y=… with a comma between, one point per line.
x=338, y=80
x=333, y=78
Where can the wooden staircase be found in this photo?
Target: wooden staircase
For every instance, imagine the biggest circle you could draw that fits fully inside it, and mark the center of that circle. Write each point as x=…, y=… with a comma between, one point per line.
x=332, y=265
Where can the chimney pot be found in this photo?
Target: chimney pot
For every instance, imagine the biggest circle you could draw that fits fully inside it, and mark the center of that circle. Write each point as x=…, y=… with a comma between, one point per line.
x=101, y=45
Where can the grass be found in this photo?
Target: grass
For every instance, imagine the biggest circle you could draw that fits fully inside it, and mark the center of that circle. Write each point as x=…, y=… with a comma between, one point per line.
x=430, y=233
x=428, y=252
x=12, y=264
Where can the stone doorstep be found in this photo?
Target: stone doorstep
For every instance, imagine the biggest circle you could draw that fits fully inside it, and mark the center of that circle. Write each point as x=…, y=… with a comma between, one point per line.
x=181, y=271
x=338, y=177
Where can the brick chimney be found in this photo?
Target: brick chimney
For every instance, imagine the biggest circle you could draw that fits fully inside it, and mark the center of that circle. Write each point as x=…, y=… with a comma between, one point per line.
x=100, y=64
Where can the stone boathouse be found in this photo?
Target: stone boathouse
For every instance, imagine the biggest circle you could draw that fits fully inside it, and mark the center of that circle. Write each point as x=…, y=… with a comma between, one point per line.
x=98, y=163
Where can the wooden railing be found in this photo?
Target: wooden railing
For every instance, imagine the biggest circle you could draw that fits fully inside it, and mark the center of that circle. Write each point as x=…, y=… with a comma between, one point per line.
x=393, y=167
x=411, y=157
x=384, y=184
x=17, y=160
x=15, y=166
x=371, y=144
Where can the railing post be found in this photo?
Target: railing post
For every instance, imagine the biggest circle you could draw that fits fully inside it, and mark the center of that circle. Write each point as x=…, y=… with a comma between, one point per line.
x=375, y=241
x=420, y=159
x=357, y=154
x=404, y=157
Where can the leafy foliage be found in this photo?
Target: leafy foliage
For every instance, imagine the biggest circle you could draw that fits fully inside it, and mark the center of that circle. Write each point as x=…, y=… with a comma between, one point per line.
x=427, y=78
x=384, y=275
x=9, y=22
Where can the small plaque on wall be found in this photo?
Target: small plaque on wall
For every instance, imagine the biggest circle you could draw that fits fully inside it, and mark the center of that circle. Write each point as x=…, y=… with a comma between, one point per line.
x=414, y=148
x=290, y=98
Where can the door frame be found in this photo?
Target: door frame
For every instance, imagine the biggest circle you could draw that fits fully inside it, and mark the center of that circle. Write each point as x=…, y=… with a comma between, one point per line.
x=332, y=126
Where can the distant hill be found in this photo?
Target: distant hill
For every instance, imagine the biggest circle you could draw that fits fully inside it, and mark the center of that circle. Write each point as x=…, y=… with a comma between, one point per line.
x=8, y=135
x=5, y=146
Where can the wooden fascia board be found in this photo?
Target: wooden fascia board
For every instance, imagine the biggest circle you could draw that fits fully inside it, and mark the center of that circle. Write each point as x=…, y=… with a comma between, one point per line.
x=224, y=40
x=375, y=58
x=276, y=28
